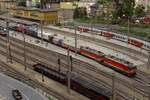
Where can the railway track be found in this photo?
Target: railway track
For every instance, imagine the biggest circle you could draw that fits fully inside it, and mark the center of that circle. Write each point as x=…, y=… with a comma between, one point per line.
x=8, y=70
x=89, y=67
x=142, y=77
x=93, y=79
x=118, y=48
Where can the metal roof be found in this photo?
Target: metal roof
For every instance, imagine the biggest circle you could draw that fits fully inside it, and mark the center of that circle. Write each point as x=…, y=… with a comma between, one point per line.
x=90, y=85
x=19, y=21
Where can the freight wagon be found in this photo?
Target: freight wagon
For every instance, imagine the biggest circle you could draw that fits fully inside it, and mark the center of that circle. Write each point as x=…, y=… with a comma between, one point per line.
x=78, y=84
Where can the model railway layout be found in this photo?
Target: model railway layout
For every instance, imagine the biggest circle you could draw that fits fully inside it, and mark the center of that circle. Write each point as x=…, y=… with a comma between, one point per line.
x=77, y=84
x=117, y=64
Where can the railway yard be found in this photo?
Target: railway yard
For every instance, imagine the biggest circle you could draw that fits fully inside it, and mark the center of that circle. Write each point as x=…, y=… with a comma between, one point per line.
x=81, y=64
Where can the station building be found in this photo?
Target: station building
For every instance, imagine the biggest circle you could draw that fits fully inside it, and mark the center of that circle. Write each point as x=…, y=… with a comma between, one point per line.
x=47, y=16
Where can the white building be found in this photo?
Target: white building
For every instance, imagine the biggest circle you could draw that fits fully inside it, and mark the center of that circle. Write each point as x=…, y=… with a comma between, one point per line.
x=87, y=4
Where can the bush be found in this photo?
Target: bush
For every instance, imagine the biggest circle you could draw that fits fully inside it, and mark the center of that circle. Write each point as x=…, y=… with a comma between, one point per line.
x=58, y=24
x=80, y=13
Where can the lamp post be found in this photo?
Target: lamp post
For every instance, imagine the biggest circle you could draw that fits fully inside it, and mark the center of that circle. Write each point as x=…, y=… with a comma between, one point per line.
x=75, y=40
x=69, y=70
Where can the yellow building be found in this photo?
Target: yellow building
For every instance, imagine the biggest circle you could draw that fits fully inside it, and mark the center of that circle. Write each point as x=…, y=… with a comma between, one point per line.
x=68, y=5
x=46, y=16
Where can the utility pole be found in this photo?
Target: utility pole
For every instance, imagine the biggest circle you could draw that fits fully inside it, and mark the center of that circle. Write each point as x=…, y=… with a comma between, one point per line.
x=69, y=70
x=128, y=28
x=75, y=40
x=41, y=22
x=149, y=92
x=71, y=63
x=113, y=87
x=37, y=27
x=146, y=5
x=43, y=76
x=24, y=40
x=42, y=31
x=148, y=87
x=148, y=63
x=149, y=97
x=9, y=57
x=133, y=88
x=59, y=64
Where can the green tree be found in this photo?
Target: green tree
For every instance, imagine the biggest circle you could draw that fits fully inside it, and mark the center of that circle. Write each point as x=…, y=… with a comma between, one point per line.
x=76, y=13
x=43, y=4
x=21, y=3
x=117, y=3
x=80, y=12
x=125, y=10
x=139, y=11
x=128, y=8
x=102, y=2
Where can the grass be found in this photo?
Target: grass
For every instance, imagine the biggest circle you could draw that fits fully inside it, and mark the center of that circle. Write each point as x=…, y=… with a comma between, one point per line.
x=139, y=25
x=101, y=20
x=93, y=20
x=135, y=33
x=123, y=23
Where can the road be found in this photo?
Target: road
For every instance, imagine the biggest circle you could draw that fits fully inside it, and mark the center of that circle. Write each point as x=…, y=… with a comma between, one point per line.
x=7, y=84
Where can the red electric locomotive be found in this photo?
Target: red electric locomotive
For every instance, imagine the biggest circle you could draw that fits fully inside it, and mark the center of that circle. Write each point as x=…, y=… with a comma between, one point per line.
x=112, y=62
x=115, y=63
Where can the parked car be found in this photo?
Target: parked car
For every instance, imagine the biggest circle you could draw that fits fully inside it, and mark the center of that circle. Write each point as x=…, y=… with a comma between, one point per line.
x=17, y=94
